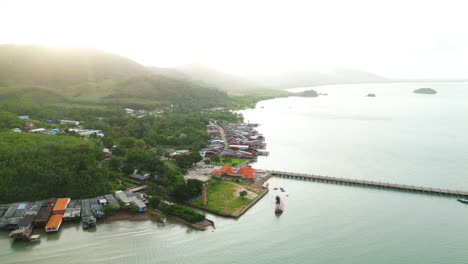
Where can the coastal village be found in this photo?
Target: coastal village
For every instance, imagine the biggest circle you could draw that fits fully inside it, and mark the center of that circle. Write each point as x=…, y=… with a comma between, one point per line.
x=232, y=184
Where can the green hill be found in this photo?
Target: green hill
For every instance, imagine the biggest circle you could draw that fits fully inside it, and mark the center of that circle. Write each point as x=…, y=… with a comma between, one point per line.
x=62, y=68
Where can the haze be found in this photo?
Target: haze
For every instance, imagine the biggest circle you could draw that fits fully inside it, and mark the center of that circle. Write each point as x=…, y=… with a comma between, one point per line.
x=396, y=39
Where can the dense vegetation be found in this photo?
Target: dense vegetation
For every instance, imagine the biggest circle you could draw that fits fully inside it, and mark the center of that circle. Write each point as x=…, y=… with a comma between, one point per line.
x=94, y=88
x=34, y=167
x=182, y=212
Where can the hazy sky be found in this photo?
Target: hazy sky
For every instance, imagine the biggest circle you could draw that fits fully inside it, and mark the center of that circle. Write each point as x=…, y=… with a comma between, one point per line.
x=406, y=39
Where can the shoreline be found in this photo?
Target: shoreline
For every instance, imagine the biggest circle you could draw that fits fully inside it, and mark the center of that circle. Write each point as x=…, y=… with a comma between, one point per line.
x=154, y=215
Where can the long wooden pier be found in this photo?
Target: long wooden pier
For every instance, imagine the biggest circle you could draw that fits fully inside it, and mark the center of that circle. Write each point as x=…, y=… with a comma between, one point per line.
x=371, y=184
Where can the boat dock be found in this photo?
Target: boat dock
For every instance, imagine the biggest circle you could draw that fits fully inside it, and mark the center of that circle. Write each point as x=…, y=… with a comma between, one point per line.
x=371, y=184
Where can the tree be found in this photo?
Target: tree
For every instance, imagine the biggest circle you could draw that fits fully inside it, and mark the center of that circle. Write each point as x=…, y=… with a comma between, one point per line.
x=243, y=194
x=154, y=201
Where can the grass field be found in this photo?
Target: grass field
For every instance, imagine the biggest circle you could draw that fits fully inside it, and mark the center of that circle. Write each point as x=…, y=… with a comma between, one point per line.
x=170, y=163
x=224, y=197
x=229, y=161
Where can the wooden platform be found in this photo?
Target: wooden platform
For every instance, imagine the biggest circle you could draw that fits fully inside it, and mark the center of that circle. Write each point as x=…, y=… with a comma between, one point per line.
x=371, y=184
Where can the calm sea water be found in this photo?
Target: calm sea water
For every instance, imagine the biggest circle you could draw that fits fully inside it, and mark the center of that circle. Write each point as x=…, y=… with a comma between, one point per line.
x=396, y=137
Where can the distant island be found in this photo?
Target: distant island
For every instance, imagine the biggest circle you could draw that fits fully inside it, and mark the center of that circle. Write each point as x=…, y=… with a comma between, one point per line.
x=309, y=93
x=425, y=91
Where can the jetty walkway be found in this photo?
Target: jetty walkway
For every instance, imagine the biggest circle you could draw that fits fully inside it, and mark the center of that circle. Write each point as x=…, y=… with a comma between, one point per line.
x=371, y=184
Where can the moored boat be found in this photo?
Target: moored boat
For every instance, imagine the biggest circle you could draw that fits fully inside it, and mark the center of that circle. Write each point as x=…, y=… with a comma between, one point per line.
x=465, y=201
x=279, y=205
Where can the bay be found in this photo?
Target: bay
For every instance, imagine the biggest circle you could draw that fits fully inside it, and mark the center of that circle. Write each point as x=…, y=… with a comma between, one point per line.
x=397, y=137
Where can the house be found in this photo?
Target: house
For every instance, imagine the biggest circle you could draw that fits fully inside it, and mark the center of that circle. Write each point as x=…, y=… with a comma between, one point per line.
x=69, y=122
x=54, y=131
x=243, y=174
x=248, y=173
x=121, y=196
x=37, y=130
x=60, y=206
x=107, y=152
x=139, y=203
x=26, y=222
x=23, y=117
x=227, y=169
x=111, y=199
x=53, y=225
x=138, y=178
x=17, y=130
x=129, y=111
x=29, y=125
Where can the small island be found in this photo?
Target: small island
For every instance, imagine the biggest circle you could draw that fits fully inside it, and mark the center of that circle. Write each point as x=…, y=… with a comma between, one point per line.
x=309, y=93
x=371, y=95
x=425, y=91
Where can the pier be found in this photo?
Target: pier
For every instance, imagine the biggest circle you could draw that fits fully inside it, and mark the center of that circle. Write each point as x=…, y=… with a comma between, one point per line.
x=371, y=184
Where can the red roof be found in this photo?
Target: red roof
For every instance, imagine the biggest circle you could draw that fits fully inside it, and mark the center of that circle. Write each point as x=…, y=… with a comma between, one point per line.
x=248, y=172
x=227, y=169
x=216, y=172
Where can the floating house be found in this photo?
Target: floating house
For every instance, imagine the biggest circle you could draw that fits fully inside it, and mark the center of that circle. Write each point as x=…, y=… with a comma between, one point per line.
x=53, y=225
x=45, y=212
x=26, y=222
x=61, y=206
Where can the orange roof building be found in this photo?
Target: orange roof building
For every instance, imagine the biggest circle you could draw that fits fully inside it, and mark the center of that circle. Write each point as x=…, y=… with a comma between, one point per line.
x=227, y=169
x=248, y=172
x=53, y=225
x=61, y=206
x=216, y=172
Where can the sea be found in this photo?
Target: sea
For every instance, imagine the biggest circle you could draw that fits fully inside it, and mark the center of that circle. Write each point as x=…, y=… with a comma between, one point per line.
x=396, y=137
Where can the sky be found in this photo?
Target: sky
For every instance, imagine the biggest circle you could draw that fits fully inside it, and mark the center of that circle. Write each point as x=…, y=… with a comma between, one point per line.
x=394, y=38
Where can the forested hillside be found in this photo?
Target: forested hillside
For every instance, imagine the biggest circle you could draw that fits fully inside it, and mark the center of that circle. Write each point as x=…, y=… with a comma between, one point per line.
x=36, y=167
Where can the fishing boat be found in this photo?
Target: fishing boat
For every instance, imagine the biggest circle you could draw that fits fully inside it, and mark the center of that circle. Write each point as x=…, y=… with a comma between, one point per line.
x=279, y=205
x=465, y=201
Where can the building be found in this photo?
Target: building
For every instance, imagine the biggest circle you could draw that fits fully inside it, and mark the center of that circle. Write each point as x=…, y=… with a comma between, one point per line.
x=60, y=206
x=17, y=130
x=29, y=125
x=38, y=130
x=129, y=111
x=111, y=199
x=53, y=225
x=23, y=117
x=26, y=222
x=138, y=178
x=54, y=131
x=69, y=122
x=139, y=203
x=243, y=174
x=121, y=196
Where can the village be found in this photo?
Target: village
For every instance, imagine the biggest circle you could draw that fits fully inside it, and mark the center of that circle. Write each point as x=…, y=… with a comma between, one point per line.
x=233, y=184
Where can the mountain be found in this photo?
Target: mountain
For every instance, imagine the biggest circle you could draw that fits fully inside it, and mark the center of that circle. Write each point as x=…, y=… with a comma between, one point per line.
x=213, y=78
x=34, y=76
x=310, y=78
x=62, y=67
x=254, y=83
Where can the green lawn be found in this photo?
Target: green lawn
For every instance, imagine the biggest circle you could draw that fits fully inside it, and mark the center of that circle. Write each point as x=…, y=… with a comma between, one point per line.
x=229, y=161
x=222, y=198
x=170, y=163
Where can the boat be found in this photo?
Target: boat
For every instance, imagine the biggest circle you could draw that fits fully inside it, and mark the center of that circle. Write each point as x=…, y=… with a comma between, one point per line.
x=279, y=205
x=282, y=189
x=465, y=201
x=162, y=220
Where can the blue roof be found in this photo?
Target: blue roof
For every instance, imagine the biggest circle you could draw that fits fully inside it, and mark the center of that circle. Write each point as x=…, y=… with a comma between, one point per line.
x=23, y=117
x=21, y=206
